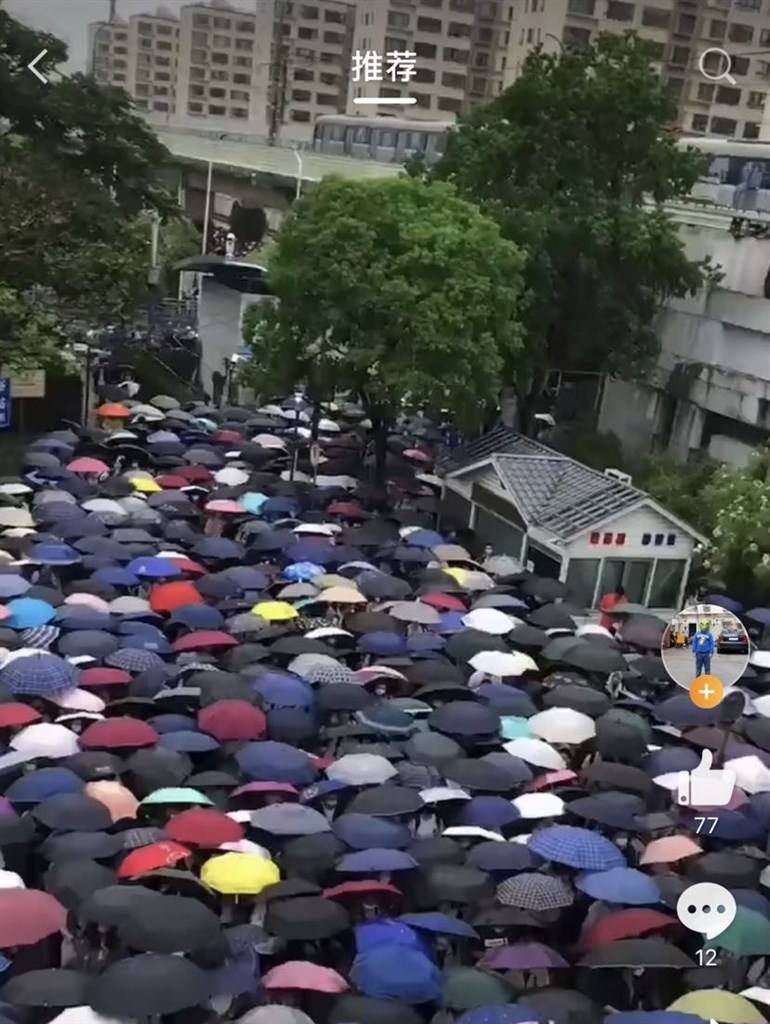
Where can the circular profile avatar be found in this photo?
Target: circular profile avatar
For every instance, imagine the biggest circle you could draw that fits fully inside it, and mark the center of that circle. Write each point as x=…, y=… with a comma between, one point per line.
x=705, y=640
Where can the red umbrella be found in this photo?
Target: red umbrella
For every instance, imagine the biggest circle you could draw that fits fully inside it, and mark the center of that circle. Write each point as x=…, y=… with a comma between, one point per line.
x=188, y=565
x=88, y=465
x=551, y=779
x=305, y=975
x=227, y=437
x=362, y=887
x=346, y=509
x=14, y=716
x=167, y=597
x=624, y=924
x=104, y=677
x=171, y=481
x=444, y=602
x=416, y=455
x=118, y=732
x=194, y=474
x=203, y=638
x=164, y=854
x=203, y=826
x=228, y=720
x=27, y=916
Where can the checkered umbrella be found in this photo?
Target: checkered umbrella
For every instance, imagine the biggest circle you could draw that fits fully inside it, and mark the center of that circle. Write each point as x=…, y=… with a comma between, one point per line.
x=132, y=659
x=38, y=673
x=577, y=847
x=533, y=891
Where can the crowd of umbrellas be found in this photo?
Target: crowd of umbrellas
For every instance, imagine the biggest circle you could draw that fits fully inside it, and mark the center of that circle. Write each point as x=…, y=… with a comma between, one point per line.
x=276, y=749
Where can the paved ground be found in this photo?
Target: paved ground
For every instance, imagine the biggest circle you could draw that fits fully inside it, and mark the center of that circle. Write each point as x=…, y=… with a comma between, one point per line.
x=726, y=667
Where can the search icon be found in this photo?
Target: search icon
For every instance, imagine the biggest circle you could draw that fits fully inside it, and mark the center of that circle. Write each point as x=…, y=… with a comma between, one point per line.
x=724, y=64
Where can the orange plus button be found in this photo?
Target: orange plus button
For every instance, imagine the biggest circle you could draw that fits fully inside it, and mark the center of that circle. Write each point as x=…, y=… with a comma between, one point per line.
x=706, y=692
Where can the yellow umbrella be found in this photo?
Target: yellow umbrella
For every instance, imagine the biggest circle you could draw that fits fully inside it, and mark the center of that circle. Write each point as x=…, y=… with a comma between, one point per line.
x=459, y=575
x=332, y=579
x=342, y=595
x=715, y=1004
x=275, y=611
x=239, y=874
x=144, y=485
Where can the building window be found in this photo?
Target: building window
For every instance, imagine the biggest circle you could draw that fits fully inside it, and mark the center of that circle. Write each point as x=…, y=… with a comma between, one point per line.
x=456, y=56
x=300, y=95
x=674, y=87
x=686, y=25
x=300, y=115
x=646, y=538
x=166, y=47
x=427, y=50
x=142, y=90
x=656, y=49
x=146, y=44
x=121, y=37
x=308, y=12
x=304, y=75
x=764, y=37
x=245, y=26
x=307, y=33
x=576, y=37
x=458, y=30
x=197, y=90
x=335, y=38
x=142, y=75
x=595, y=537
x=607, y=538
x=200, y=39
x=738, y=33
x=620, y=539
x=656, y=17
x=741, y=65
x=163, y=62
x=394, y=43
x=239, y=112
x=756, y=100
x=216, y=110
x=730, y=97
x=160, y=106
x=240, y=79
x=462, y=5
x=326, y=99
x=198, y=56
x=328, y=78
x=447, y=103
x=479, y=86
x=222, y=23
x=197, y=73
x=680, y=56
x=200, y=19
x=334, y=17
x=619, y=11
x=220, y=76
x=121, y=50
x=428, y=24
x=220, y=58
x=632, y=574
x=328, y=58
x=119, y=78
x=481, y=60
x=221, y=41
x=195, y=108
x=723, y=125
x=705, y=92
x=163, y=30
x=751, y=130
x=162, y=76
x=451, y=80
x=666, y=583
x=700, y=122
x=658, y=539
x=584, y=7
x=398, y=19
x=144, y=28
x=581, y=580
x=217, y=93
x=423, y=100
x=242, y=62
x=244, y=44
x=141, y=104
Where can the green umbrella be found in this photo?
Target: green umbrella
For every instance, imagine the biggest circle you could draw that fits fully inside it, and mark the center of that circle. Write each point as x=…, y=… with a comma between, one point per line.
x=466, y=988
x=748, y=935
x=715, y=1004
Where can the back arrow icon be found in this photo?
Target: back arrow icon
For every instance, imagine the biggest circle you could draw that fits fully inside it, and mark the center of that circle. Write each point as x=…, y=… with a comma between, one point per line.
x=34, y=70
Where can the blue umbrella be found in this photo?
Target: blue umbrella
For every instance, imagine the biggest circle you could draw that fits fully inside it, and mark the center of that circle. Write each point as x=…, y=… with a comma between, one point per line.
x=144, y=640
x=253, y=501
x=506, y=700
x=12, y=586
x=302, y=572
x=172, y=723
x=653, y=1017
x=96, y=642
x=54, y=554
x=487, y=812
x=417, y=643
x=45, y=782
x=376, y=860
x=396, y=972
x=441, y=924
x=280, y=505
x=576, y=847
x=317, y=552
x=132, y=659
x=724, y=602
x=364, y=832
x=502, y=858
x=509, y=1014
x=198, y=616
x=154, y=568
x=670, y=759
x=382, y=644
x=425, y=539
x=28, y=612
x=268, y=761
x=761, y=615
x=219, y=549
x=116, y=576
x=387, y=720
x=247, y=577
x=619, y=885
x=188, y=741
x=282, y=690
x=40, y=674
x=72, y=616
x=387, y=932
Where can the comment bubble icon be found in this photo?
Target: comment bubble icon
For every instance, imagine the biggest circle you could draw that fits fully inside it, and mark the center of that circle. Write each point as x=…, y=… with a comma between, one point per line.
x=706, y=908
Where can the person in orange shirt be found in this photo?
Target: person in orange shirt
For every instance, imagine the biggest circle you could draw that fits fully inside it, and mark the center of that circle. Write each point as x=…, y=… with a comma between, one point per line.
x=607, y=603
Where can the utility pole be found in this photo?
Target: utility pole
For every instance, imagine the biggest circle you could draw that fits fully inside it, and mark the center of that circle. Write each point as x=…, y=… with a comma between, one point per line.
x=278, y=73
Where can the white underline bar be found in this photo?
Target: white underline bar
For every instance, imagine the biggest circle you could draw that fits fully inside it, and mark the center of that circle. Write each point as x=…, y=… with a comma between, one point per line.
x=395, y=101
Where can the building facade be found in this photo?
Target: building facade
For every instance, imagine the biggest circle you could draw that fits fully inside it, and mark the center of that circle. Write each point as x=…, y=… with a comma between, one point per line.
x=460, y=47
x=680, y=31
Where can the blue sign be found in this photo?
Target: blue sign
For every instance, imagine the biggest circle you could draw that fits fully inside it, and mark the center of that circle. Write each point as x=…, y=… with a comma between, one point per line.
x=5, y=403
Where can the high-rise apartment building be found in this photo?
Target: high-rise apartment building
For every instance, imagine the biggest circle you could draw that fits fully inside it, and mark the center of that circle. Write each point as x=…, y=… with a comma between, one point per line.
x=460, y=47
x=268, y=69
x=679, y=31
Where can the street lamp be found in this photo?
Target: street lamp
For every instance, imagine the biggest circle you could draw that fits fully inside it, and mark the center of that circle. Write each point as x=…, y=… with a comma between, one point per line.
x=297, y=400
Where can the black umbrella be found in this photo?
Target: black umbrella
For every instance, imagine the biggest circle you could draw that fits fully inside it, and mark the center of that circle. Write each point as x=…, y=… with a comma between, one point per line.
x=50, y=987
x=311, y=857
x=344, y=697
x=643, y=630
x=72, y=881
x=149, y=985
x=463, y=718
x=732, y=870
x=456, y=884
x=635, y=953
x=372, y=1011
x=72, y=812
x=170, y=924
x=306, y=917
x=461, y=647
x=112, y=906
x=562, y=1006
x=614, y=809
x=543, y=588
x=593, y=658
x=478, y=775
x=580, y=698
x=386, y=801
x=81, y=846
x=154, y=768
x=606, y=775
x=431, y=748
x=552, y=616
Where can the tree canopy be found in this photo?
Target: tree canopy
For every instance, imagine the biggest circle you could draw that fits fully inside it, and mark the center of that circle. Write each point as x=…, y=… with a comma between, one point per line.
x=78, y=173
x=392, y=289
x=573, y=161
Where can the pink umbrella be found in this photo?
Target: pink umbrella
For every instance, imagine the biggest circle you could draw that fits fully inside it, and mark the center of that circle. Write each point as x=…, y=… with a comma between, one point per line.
x=669, y=849
x=305, y=975
x=417, y=455
x=224, y=507
x=27, y=916
x=85, y=464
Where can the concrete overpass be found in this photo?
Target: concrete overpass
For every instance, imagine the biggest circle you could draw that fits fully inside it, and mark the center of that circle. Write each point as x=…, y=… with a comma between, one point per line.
x=252, y=171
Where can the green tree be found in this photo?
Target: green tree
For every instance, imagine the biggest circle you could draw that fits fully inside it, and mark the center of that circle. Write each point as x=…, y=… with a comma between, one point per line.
x=395, y=290
x=574, y=161
x=79, y=172
x=31, y=332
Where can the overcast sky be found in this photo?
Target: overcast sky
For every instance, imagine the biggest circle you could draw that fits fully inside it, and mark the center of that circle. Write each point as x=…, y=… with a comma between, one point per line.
x=68, y=19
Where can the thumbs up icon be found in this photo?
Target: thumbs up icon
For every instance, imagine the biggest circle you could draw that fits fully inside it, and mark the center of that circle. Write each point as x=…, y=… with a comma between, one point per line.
x=704, y=786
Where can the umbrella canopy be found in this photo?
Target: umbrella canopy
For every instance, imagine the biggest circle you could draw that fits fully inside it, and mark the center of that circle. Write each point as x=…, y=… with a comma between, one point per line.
x=148, y=985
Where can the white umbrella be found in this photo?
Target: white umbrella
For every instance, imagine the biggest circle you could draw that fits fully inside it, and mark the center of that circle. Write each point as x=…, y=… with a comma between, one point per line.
x=83, y=1015
x=762, y=705
x=760, y=659
x=489, y=620
x=346, y=482
x=325, y=631
x=15, y=489
x=306, y=662
x=105, y=507
x=231, y=477
x=16, y=517
x=755, y=993
x=415, y=611
x=539, y=805
x=78, y=700
x=751, y=774
x=592, y=629
x=361, y=770
x=472, y=832
x=535, y=752
x=328, y=426
x=500, y=663
x=439, y=794
x=562, y=725
x=321, y=529
x=46, y=739
x=10, y=880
